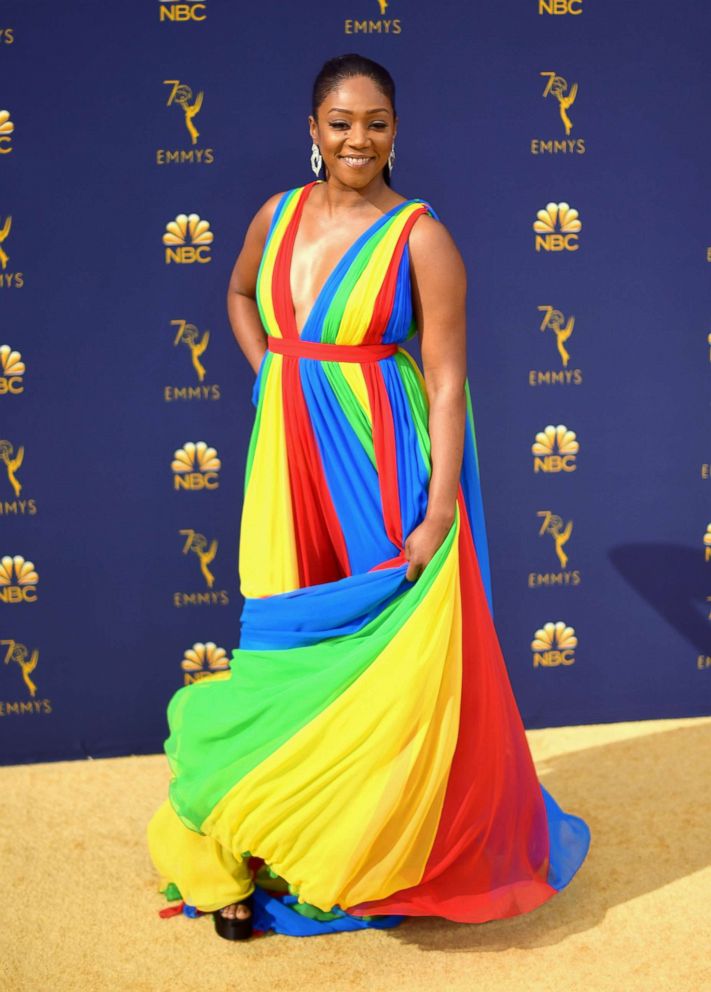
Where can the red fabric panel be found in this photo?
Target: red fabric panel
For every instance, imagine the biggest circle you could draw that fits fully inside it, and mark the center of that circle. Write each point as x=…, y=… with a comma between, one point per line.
x=320, y=546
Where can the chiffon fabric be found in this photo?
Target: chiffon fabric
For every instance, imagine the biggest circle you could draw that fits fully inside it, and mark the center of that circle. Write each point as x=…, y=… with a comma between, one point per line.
x=363, y=759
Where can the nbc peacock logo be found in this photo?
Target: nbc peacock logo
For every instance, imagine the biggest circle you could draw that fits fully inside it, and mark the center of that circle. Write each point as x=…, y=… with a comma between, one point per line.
x=182, y=11
x=7, y=128
x=195, y=467
x=555, y=450
x=18, y=580
x=557, y=228
x=205, y=661
x=707, y=543
x=558, y=8
x=12, y=371
x=553, y=645
x=187, y=240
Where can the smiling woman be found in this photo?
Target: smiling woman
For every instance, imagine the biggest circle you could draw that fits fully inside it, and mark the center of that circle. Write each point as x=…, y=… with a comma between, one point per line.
x=364, y=759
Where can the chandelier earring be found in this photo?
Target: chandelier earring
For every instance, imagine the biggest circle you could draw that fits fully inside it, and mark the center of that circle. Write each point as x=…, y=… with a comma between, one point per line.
x=316, y=159
x=391, y=157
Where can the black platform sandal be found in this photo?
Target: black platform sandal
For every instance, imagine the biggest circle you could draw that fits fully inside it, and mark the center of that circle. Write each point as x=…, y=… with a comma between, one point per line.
x=235, y=928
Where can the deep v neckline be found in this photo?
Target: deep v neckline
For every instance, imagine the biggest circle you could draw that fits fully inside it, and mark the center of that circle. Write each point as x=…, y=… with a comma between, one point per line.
x=353, y=249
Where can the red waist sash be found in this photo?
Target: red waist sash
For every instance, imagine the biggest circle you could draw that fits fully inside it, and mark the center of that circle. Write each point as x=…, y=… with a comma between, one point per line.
x=329, y=352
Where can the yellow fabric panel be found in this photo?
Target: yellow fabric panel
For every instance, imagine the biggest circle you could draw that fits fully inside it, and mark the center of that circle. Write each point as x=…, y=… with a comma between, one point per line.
x=207, y=874
x=347, y=809
x=266, y=510
x=359, y=308
x=353, y=374
x=266, y=273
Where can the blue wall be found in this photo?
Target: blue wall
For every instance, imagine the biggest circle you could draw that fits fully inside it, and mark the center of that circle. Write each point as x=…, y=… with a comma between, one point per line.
x=107, y=395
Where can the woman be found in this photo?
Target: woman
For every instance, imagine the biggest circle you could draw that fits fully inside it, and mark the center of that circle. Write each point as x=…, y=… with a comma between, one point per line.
x=364, y=759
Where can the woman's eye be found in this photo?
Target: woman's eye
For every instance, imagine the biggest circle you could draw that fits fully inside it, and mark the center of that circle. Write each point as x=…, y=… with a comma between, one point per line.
x=338, y=124
x=381, y=125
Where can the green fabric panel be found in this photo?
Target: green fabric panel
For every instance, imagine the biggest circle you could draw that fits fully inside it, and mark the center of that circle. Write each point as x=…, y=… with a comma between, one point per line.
x=223, y=728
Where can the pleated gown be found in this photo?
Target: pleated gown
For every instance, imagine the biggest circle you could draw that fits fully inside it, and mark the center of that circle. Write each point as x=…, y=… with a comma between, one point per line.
x=365, y=745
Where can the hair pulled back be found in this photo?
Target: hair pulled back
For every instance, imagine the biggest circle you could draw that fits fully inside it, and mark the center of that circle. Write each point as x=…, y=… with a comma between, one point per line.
x=342, y=67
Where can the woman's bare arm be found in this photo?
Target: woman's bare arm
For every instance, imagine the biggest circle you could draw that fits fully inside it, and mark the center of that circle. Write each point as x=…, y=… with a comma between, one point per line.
x=439, y=285
x=241, y=292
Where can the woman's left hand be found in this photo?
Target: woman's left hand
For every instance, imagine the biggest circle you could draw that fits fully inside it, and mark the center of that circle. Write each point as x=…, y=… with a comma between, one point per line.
x=422, y=543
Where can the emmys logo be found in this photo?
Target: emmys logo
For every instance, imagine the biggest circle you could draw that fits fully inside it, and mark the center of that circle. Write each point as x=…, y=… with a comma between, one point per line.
x=18, y=658
x=204, y=661
x=12, y=369
x=707, y=543
x=7, y=279
x=558, y=8
x=197, y=545
x=181, y=11
x=11, y=463
x=6, y=129
x=195, y=467
x=181, y=96
x=562, y=331
x=553, y=645
x=552, y=526
x=18, y=580
x=187, y=239
x=554, y=450
x=557, y=228
x=189, y=338
x=380, y=25
x=7, y=36
x=556, y=87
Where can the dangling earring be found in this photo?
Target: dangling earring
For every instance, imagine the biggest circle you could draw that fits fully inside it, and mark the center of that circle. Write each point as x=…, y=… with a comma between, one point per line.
x=391, y=157
x=316, y=159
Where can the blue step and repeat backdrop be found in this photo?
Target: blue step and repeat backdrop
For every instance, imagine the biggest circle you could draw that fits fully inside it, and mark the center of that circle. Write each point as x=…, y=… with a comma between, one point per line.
x=565, y=144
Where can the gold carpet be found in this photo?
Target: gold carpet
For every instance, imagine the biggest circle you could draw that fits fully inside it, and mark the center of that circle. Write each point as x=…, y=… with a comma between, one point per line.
x=80, y=903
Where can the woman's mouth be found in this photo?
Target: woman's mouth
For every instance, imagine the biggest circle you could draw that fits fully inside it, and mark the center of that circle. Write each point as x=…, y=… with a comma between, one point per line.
x=356, y=161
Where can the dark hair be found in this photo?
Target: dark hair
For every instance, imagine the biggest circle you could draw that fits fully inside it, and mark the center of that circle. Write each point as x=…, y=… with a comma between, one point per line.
x=335, y=70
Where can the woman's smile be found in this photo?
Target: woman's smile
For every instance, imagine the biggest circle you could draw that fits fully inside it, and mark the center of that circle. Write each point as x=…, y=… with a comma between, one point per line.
x=356, y=161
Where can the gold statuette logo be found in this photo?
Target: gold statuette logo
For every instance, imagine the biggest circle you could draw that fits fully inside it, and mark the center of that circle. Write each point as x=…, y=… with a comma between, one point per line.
x=205, y=661
x=21, y=675
x=187, y=240
x=7, y=279
x=562, y=329
x=557, y=228
x=18, y=580
x=707, y=543
x=557, y=88
x=554, y=644
x=11, y=461
x=554, y=450
x=195, y=467
x=181, y=96
x=12, y=370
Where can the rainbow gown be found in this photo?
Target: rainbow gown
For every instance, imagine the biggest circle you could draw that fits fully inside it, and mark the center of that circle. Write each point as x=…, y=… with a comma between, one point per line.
x=366, y=744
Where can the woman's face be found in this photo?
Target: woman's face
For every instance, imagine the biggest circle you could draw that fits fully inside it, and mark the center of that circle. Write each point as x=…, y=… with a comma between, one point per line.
x=355, y=130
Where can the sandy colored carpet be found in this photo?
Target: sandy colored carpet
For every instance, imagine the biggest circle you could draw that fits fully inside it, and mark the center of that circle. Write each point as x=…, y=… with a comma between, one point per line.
x=80, y=905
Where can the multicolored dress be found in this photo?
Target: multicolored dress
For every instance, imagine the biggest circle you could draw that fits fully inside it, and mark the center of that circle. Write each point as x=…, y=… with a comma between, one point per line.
x=363, y=759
